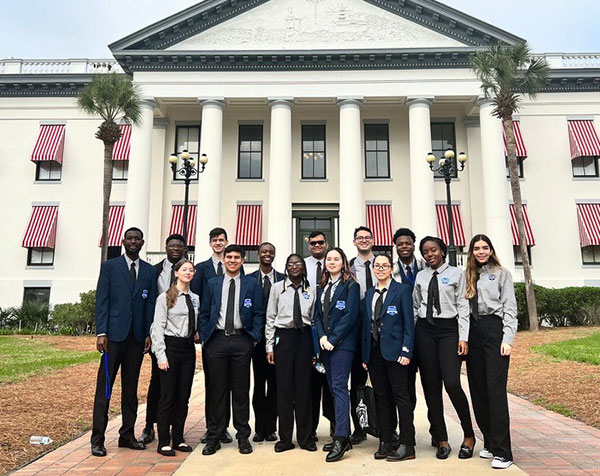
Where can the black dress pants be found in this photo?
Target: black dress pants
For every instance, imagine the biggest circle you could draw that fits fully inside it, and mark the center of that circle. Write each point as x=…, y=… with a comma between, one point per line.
x=439, y=363
x=488, y=373
x=358, y=377
x=227, y=362
x=128, y=356
x=176, y=385
x=153, y=393
x=390, y=386
x=318, y=386
x=264, y=396
x=206, y=386
x=293, y=366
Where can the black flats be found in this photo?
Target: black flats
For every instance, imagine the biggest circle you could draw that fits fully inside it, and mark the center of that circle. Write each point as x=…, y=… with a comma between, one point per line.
x=465, y=452
x=443, y=452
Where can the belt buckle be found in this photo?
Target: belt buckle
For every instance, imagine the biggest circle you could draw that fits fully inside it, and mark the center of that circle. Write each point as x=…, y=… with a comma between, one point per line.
x=227, y=334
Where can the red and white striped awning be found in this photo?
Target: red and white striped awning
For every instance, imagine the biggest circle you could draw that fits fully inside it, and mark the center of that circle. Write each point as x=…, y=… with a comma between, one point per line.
x=41, y=230
x=248, y=231
x=583, y=139
x=588, y=215
x=177, y=222
x=519, y=142
x=457, y=224
x=116, y=218
x=50, y=144
x=515, y=230
x=123, y=145
x=379, y=220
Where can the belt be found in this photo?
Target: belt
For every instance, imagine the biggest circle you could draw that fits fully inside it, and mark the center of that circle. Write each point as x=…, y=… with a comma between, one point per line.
x=235, y=332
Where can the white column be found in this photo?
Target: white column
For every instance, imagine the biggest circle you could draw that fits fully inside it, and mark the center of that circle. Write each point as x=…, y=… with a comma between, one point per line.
x=279, y=213
x=495, y=188
x=209, y=182
x=137, y=206
x=422, y=198
x=352, y=206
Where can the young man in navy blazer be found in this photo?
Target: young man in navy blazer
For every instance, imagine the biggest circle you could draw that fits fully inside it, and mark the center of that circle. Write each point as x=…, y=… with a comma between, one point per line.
x=125, y=299
x=231, y=322
x=264, y=394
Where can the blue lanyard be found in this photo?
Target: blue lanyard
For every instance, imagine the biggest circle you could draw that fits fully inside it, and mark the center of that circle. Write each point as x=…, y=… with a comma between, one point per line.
x=107, y=386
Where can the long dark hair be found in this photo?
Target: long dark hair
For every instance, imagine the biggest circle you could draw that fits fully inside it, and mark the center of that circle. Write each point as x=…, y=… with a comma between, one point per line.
x=304, y=282
x=346, y=272
x=473, y=265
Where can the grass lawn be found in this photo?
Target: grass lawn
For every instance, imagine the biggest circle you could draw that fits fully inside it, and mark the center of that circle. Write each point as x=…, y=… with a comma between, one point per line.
x=21, y=357
x=586, y=349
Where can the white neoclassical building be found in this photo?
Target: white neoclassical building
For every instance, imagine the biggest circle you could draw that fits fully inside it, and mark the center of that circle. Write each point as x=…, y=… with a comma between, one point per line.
x=314, y=114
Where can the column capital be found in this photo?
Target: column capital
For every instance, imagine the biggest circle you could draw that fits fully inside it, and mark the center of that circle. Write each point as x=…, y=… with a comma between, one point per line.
x=148, y=101
x=211, y=101
x=471, y=121
x=161, y=122
x=350, y=101
x=419, y=100
x=280, y=101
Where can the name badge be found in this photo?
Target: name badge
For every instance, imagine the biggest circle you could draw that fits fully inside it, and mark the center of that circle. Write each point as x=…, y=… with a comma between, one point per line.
x=340, y=305
x=144, y=294
x=445, y=280
x=195, y=303
x=492, y=277
x=392, y=311
x=305, y=295
x=247, y=303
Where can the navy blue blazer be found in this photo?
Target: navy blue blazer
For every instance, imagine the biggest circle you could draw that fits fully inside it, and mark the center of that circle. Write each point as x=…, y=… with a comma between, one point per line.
x=205, y=271
x=344, y=312
x=118, y=303
x=252, y=311
x=397, y=328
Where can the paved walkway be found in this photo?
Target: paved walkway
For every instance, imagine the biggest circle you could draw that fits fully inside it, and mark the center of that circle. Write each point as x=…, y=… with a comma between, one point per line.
x=544, y=443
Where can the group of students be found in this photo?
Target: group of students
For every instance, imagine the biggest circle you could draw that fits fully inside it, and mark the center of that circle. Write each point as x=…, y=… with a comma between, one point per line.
x=315, y=332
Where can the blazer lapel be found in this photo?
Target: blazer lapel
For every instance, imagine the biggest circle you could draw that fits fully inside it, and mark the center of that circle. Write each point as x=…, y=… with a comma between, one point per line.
x=125, y=272
x=243, y=289
x=336, y=295
x=218, y=292
x=388, y=297
x=141, y=276
x=368, y=302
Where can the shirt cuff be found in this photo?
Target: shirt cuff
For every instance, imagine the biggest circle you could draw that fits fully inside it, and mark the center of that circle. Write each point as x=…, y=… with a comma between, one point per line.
x=268, y=348
x=507, y=339
x=101, y=335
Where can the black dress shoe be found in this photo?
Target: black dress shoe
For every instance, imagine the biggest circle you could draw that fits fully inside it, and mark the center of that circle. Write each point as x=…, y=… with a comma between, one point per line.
x=314, y=437
x=131, y=444
x=403, y=453
x=465, y=452
x=340, y=446
x=147, y=435
x=165, y=452
x=183, y=448
x=212, y=446
x=226, y=437
x=443, y=452
x=310, y=446
x=271, y=437
x=280, y=446
x=358, y=437
x=258, y=437
x=98, y=450
x=204, y=438
x=385, y=448
x=328, y=446
x=244, y=446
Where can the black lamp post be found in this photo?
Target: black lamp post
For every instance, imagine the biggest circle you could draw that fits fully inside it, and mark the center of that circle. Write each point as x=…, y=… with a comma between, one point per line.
x=447, y=168
x=188, y=170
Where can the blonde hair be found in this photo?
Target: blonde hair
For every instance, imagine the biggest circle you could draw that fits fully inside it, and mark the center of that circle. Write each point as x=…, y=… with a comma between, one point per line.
x=173, y=292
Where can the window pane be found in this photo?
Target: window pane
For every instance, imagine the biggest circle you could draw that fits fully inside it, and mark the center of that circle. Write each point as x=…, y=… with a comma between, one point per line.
x=371, y=144
x=319, y=166
x=307, y=133
x=307, y=224
x=319, y=146
x=313, y=151
x=323, y=225
x=371, y=158
x=41, y=295
x=193, y=139
x=319, y=133
x=382, y=164
x=370, y=132
x=43, y=171
x=589, y=164
x=245, y=146
x=588, y=254
x=307, y=146
x=256, y=146
x=36, y=256
x=55, y=170
x=255, y=166
x=244, y=165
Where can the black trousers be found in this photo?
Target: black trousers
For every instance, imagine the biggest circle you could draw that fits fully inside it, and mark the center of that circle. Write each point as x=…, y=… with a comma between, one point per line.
x=390, y=386
x=206, y=385
x=264, y=396
x=153, y=393
x=128, y=356
x=318, y=386
x=488, y=373
x=176, y=385
x=227, y=362
x=439, y=363
x=293, y=366
x=358, y=376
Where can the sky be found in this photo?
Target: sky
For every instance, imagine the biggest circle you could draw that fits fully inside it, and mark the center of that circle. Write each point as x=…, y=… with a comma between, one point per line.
x=41, y=29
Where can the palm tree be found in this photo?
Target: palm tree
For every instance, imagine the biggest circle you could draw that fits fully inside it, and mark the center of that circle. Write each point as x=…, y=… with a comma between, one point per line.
x=113, y=97
x=506, y=73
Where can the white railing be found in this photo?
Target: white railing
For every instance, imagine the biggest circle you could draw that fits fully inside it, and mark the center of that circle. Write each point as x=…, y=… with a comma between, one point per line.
x=60, y=66
x=571, y=61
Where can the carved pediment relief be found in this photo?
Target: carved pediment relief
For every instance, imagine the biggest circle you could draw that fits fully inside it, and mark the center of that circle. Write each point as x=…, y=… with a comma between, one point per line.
x=314, y=25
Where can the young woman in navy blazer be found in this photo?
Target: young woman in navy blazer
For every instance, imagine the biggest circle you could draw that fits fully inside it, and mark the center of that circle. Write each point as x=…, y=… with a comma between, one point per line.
x=337, y=311
x=387, y=348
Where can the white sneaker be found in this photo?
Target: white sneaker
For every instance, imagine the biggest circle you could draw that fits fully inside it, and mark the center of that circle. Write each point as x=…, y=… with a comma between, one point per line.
x=486, y=454
x=500, y=462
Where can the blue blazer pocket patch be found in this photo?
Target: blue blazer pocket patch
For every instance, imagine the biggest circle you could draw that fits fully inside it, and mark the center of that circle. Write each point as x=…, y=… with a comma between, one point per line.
x=144, y=294
x=340, y=305
x=247, y=303
x=392, y=311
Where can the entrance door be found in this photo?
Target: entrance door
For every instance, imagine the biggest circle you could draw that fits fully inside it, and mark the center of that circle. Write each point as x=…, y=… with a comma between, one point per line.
x=308, y=221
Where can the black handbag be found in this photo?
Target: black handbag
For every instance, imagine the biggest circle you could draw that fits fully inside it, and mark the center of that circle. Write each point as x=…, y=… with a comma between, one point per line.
x=366, y=411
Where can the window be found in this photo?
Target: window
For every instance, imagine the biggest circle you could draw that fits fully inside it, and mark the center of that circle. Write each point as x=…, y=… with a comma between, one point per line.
x=120, y=169
x=187, y=138
x=114, y=252
x=382, y=250
x=48, y=170
x=519, y=257
x=590, y=255
x=250, y=152
x=251, y=254
x=313, y=152
x=40, y=256
x=519, y=165
x=585, y=167
x=377, y=151
x=443, y=137
x=41, y=295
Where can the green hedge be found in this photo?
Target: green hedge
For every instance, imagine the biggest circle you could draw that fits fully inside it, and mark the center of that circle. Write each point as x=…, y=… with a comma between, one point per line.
x=573, y=306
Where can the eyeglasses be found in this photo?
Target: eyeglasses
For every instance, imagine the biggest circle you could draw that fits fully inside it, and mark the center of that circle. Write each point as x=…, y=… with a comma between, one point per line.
x=363, y=238
x=381, y=267
x=317, y=243
x=295, y=265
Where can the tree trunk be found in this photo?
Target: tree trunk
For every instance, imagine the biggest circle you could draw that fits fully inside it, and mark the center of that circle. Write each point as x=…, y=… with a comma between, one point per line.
x=515, y=186
x=106, y=189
